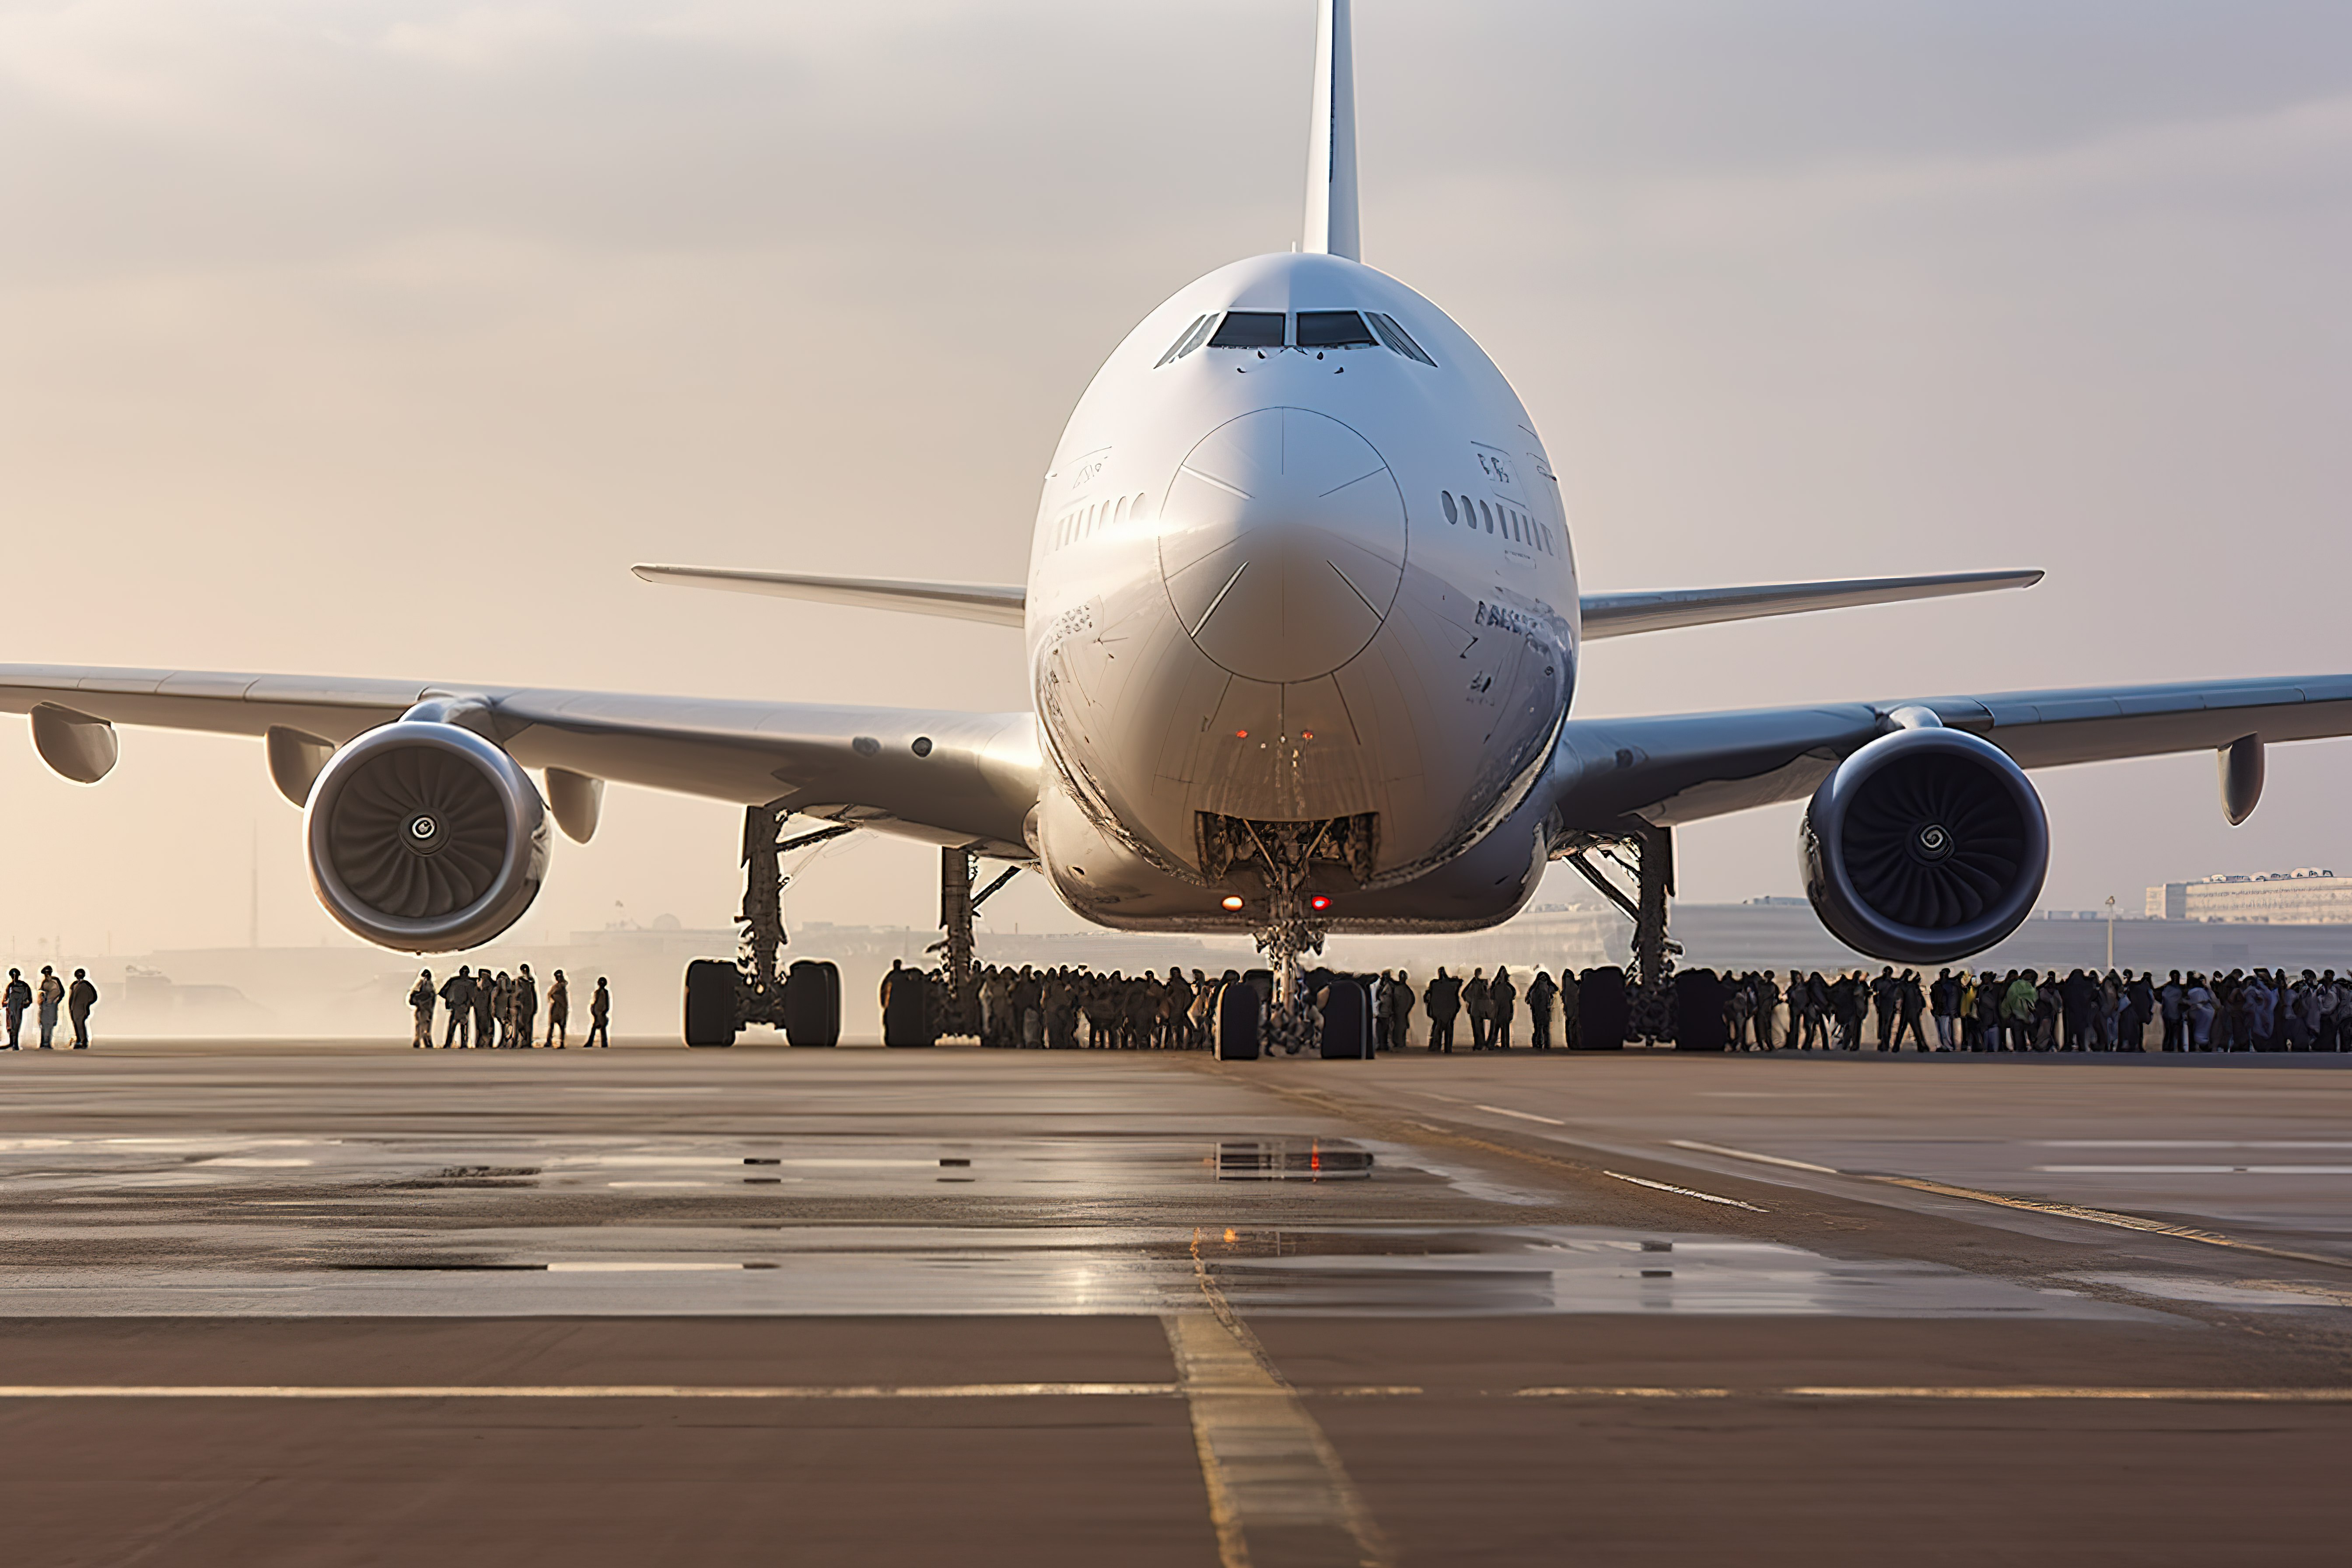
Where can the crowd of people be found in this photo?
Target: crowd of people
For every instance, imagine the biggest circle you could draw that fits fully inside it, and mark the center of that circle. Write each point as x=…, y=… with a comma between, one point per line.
x=1960, y=1010
x=499, y=1010
x=2027, y=1010
x=44, y=1000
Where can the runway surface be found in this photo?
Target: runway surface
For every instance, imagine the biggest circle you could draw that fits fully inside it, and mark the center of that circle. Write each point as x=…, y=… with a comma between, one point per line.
x=344, y=1302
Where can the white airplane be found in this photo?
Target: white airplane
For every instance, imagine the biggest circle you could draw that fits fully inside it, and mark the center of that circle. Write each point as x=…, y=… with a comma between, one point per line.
x=1303, y=625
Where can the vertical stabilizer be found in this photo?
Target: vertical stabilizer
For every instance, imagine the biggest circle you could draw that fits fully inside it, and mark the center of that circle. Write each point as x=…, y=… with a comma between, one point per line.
x=1331, y=221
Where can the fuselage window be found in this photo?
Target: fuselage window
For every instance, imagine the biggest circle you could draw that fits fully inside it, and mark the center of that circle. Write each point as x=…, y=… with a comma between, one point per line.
x=1334, y=330
x=1397, y=338
x=1137, y=515
x=1450, y=515
x=1183, y=339
x=1121, y=516
x=1249, y=329
x=1486, y=516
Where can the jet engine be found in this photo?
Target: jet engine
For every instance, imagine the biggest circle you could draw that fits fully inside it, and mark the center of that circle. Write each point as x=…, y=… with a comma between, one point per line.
x=425, y=837
x=1925, y=846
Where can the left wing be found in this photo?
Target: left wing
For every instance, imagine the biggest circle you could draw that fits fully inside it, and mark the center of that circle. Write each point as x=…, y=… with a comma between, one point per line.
x=997, y=604
x=941, y=776
x=1685, y=767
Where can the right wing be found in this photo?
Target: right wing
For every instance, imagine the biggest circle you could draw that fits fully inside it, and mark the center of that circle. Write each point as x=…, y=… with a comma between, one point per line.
x=940, y=776
x=1622, y=615
x=1683, y=767
x=999, y=604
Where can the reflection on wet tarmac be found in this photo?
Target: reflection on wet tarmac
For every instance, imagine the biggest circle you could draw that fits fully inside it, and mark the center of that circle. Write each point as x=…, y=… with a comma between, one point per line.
x=766, y=1226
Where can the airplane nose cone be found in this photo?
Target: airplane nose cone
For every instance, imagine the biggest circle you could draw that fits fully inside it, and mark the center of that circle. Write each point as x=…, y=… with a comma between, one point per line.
x=1282, y=545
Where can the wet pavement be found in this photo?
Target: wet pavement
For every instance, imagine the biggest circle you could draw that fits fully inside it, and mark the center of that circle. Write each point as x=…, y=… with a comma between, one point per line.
x=882, y=1306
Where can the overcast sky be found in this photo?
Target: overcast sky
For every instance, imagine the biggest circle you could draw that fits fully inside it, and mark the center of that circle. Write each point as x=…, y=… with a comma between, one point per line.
x=381, y=339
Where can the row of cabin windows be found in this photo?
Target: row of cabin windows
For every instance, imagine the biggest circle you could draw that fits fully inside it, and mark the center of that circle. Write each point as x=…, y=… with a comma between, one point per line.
x=1313, y=329
x=1086, y=521
x=1508, y=521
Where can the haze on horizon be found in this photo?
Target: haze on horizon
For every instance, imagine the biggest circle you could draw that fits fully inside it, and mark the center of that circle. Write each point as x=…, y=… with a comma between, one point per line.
x=381, y=340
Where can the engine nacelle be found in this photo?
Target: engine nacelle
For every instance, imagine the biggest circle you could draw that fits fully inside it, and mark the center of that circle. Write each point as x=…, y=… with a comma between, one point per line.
x=1925, y=847
x=425, y=837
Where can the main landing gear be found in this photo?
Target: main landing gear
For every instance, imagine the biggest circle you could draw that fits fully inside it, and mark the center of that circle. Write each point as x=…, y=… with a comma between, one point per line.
x=1647, y=853
x=804, y=1002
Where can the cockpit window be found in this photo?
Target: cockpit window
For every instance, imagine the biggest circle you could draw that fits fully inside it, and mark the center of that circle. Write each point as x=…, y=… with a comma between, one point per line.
x=1333, y=330
x=1249, y=329
x=1187, y=341
x=1397, y=338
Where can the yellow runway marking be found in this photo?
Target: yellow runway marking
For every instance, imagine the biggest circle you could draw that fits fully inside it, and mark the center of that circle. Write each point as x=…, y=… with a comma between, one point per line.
x=2107, y=1217
x=1277, y=1492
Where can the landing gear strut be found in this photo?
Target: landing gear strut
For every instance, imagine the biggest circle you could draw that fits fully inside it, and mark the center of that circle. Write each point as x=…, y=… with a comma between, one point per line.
x=957, y=950
x=721, y=998
x=1648, y=853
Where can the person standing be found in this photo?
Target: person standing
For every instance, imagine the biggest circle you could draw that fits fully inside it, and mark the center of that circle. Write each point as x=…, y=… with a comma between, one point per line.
x=1767, y=1001
x=526, y=1007
x=502, y=1009
x=457, y=996
x=1502, y=1005
x=1480, y=1006
x=600, y=1017
x=1443, y=1000
x=485, y=992
x=51, y=995
x=17, y=997
x=421, y=997
x=1401, y=1012
x=1542, y=992
x=1909, y=1002
x=559, y=1010
x=79, y=1000
x=1886, y=991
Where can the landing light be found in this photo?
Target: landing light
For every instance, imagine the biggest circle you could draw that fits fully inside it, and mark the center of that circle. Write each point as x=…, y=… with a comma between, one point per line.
x=1318, y=902
x=1233, y=900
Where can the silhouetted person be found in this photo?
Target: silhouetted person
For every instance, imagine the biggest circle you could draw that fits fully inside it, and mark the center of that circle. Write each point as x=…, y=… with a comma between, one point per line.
x=421, y=997
x=51, y=994
x=1542, y=992
x=457, y=996
x=1443, y=1000
x=1481, y=1008
x=1502, y=1003
x=15, y=999
x=526, y=1006
x=485, y=1007
x=600, y=1017
x=559, y=1010
x=80, y=997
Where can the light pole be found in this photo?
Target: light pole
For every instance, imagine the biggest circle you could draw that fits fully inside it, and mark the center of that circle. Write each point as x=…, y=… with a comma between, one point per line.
x=2111, y=933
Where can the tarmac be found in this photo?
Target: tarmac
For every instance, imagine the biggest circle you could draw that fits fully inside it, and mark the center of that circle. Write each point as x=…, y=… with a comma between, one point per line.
x=343, y=1302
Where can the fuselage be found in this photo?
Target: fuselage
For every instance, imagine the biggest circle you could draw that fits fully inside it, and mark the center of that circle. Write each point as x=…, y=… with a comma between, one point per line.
x=1301, y=570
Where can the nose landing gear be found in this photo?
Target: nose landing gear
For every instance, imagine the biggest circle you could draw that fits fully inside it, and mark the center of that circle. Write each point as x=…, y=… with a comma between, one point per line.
x=1285, y=854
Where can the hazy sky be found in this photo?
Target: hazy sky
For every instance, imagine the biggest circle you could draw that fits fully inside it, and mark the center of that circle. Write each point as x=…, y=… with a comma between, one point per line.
x=381, y=339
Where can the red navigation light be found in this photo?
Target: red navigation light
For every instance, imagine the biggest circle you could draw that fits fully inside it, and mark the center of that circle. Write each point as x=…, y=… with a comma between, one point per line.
x=1318, y=902
x=1233, y=900
x=1241, y=734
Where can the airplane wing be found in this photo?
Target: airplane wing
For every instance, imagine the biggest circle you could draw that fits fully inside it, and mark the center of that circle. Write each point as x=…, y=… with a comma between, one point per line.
x=999, y=604
x=1622, y=615
x=1680, y=768
x=940, y=776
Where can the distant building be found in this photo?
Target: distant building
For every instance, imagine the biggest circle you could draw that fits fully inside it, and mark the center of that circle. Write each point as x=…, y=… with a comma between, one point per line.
x=2309, y=895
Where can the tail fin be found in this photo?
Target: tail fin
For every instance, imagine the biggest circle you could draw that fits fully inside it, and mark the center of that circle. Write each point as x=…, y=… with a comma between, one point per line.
x=1332, y=225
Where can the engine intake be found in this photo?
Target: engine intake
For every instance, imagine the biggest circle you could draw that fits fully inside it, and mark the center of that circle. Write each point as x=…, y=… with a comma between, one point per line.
x=1925, y=847
x=425, y=837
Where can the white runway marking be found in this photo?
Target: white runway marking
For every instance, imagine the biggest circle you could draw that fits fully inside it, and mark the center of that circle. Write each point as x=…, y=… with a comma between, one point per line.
x=2196, y=1169
x=1521, y=1115
x=2158, y=1395
x=1685, y=1191
x=1748, y=1155
x=589, y=1391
